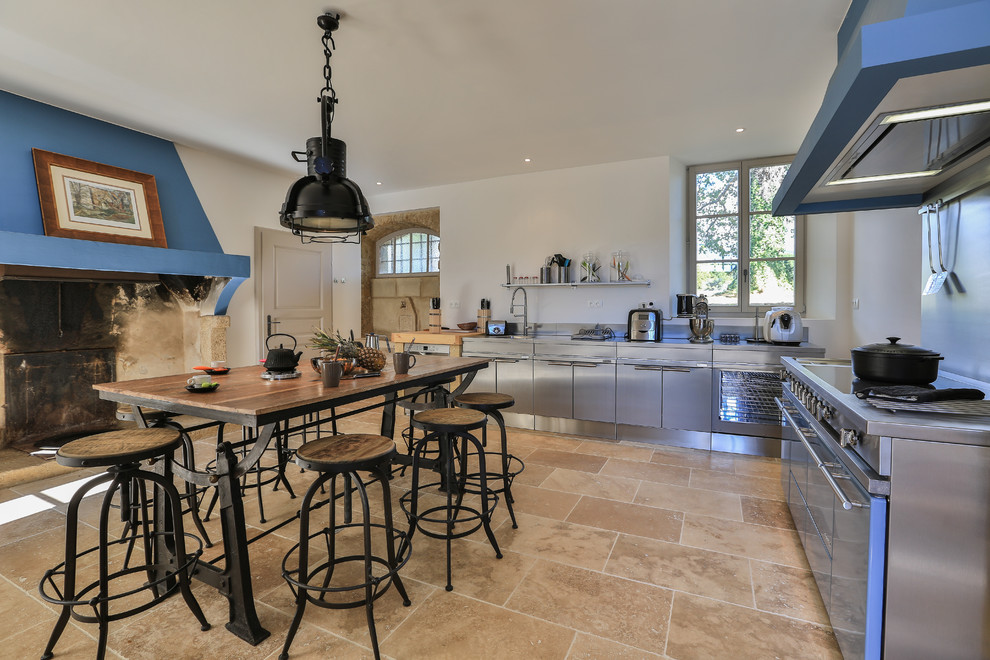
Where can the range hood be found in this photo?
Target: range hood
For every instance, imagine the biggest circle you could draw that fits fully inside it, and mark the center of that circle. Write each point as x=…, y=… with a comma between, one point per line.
x=906, y=115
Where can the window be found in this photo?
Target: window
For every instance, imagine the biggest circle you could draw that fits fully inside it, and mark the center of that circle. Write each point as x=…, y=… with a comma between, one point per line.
x=740, y=256
x=409, y=252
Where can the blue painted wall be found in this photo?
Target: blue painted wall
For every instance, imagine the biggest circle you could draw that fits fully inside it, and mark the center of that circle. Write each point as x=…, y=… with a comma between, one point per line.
x=26, y=124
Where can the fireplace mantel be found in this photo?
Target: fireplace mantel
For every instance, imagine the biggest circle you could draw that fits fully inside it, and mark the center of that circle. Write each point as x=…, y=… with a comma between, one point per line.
x=70, y=256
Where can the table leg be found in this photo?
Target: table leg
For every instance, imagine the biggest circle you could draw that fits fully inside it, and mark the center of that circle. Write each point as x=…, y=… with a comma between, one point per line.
x=243, y=618
x=388, y=415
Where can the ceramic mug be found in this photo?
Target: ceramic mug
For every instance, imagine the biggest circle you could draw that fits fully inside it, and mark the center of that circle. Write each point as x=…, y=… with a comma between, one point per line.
x=330, y=372
x=201, y=380
x=218, y=364
x=403, y=362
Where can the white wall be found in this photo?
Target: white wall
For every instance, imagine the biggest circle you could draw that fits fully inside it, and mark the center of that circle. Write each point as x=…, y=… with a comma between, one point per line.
x=886, y=277
x=637, y=206
x=237, y=196
x=520, y=220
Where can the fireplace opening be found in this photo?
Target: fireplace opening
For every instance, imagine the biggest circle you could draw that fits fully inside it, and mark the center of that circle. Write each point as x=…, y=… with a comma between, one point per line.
x=59, y=338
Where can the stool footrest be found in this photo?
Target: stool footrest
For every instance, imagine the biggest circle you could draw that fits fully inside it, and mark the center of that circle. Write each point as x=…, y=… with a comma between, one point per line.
x=299, y=583
x=169, y=572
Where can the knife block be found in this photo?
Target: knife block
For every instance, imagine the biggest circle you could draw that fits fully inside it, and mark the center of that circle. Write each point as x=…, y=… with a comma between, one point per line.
x=484, y=315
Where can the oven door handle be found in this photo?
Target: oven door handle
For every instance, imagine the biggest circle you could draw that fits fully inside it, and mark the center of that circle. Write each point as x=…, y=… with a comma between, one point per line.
x=847, y=504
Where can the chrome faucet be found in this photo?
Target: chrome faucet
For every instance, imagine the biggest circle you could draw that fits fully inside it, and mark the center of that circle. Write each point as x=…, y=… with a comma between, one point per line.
x=525, y=309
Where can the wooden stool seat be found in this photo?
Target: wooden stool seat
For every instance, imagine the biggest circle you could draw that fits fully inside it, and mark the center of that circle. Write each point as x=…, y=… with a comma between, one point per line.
x=484, y=401
x=450, y=420
x=118, y=447
x=342, y=453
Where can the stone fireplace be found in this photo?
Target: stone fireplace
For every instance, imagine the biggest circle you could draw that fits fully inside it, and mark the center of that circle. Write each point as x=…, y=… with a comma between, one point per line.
x=59, y=336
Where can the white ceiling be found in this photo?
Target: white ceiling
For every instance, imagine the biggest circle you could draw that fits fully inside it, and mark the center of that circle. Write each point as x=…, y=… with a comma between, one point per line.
x=437, y=91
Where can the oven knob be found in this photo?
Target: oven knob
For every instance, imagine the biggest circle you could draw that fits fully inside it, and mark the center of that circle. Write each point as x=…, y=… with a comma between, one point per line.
x=827, y=412
x=848, y=437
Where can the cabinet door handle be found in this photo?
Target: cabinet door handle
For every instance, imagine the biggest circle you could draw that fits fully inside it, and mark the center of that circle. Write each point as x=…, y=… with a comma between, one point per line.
x=847, y=504
x=586, y=364
x=504, y=361
x=560, y=364
x=682, y=370
x=644, y=367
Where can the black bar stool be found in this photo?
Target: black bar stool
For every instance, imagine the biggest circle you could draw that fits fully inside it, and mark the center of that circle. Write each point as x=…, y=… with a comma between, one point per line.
x=492, y=403
x=446, y=425
x=428, y=398
x=121, y=453
x=333, y=457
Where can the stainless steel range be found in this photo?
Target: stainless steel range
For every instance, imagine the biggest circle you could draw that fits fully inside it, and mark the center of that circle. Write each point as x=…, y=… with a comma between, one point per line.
x=892, y=509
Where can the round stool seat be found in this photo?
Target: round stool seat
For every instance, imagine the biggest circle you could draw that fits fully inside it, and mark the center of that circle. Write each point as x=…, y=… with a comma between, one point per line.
x=341, y=453
x=450, y=420
x=118, y=447
x=484, y=401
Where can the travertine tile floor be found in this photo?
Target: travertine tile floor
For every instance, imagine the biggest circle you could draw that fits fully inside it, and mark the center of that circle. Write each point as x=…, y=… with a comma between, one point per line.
x=622, y=551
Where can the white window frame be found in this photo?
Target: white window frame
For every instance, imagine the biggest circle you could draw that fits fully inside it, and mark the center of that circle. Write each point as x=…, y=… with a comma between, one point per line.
x=742, y=308
x=391, y=238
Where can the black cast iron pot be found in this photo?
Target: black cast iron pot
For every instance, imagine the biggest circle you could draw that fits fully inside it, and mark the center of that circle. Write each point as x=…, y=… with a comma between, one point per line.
x=903, y=364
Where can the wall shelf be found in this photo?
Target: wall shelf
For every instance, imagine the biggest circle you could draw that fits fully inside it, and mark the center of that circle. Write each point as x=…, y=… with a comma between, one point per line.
x=575, y=285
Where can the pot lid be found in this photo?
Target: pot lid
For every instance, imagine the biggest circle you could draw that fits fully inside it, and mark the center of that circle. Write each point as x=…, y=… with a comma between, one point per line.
x=892, y=348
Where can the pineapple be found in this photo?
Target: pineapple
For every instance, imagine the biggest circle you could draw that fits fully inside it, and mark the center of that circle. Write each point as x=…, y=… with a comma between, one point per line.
x=330, y=343
x=371, y=359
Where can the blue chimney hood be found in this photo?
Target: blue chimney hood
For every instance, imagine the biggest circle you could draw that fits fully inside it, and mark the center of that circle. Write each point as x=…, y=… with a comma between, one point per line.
x=906, y=115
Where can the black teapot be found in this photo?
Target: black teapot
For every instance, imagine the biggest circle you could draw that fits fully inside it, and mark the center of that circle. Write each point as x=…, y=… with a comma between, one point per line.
x=281, y=359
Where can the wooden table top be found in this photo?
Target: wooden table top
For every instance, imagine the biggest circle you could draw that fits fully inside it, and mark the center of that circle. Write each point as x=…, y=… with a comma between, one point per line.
x=245, y=398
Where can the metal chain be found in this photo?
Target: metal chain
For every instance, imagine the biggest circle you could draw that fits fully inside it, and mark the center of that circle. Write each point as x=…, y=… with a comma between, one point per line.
x=328, y=90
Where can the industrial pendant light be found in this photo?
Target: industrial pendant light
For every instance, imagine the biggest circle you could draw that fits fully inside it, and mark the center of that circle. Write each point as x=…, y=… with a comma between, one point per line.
x=325, y=206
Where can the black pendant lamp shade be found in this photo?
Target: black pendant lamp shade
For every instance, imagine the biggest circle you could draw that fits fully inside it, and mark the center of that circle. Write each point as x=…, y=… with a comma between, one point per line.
x=324, y=205
x=326, y=201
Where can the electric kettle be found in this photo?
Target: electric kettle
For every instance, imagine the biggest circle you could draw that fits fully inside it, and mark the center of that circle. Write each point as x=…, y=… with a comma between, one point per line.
x=782, y=325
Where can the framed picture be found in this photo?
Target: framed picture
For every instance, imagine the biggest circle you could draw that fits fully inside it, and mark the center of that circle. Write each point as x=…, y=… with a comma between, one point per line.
x=95, y=202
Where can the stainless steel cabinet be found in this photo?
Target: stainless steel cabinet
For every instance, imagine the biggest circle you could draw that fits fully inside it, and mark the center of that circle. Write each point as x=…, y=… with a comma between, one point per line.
x=514, y=376
x=638, y=389
x=687, y=398
x=484, y=379
x=553, y=388
x=594, y=391
x=575, y=389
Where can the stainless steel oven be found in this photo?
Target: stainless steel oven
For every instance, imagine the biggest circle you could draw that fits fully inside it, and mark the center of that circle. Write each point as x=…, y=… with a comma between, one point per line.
x=842, y=525
x=744, y=397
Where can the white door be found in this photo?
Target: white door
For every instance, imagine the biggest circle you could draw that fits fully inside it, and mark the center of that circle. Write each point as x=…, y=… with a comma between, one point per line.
x=295, y=289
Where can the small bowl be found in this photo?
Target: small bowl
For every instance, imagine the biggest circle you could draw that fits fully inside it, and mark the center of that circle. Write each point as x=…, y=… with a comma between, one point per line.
x=467, y=326
x=212, y=387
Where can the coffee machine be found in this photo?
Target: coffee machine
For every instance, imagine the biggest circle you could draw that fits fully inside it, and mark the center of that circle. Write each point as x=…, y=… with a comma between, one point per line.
x=645, y=324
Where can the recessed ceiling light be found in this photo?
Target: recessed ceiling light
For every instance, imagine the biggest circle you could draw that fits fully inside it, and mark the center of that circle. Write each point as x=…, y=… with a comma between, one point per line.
x=527, y=160
x=378, y=183
x=740, y=129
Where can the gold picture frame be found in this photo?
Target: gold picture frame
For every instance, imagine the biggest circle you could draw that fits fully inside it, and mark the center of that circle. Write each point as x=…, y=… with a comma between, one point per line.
x=95, y=202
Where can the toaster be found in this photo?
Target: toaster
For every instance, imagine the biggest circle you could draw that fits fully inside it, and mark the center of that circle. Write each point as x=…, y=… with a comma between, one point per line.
x=645, y=324
x=495, y=328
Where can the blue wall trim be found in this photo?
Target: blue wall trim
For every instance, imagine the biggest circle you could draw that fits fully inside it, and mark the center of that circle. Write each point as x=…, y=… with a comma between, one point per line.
x=27, y=124
x=48, y=251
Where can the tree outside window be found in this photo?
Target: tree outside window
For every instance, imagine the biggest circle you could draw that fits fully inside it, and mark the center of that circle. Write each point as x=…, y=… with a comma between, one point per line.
x=742, y=257
x=409, y=252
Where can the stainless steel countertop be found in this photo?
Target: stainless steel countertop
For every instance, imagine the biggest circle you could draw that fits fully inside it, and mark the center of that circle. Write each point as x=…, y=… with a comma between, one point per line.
x=930, y=427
